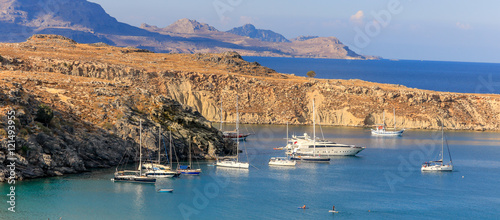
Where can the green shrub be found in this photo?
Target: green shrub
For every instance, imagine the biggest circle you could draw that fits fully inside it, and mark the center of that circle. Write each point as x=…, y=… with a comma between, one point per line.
x=44, y=114
x=311, y=74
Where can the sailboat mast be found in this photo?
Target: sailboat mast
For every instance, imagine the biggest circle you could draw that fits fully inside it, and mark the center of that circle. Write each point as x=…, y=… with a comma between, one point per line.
x=394, y=112
x=286, y=132
x=383, y=118
x=189, y=153
x=237, y=131
x=221, y=114
x=442, y=144
x=314, y=130
x=170, y=149
x=159, y=144
x=140, y=147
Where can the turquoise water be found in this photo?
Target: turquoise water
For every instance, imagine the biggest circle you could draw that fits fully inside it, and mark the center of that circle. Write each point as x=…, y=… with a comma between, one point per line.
x=461, y=77
x=382, y=182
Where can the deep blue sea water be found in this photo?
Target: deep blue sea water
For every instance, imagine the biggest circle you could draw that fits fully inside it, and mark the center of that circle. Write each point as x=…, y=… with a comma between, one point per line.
x=382, y=182
x=460, y=77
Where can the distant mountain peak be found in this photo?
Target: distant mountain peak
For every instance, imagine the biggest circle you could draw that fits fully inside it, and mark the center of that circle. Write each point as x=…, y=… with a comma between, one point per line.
x=187, y=26
x=249, y=30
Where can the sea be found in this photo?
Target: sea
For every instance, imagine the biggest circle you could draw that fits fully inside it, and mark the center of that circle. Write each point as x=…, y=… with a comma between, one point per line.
x=383, y=181
x=462, y=77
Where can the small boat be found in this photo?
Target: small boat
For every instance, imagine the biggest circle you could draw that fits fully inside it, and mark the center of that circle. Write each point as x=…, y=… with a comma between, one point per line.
x=234, y=135
x=439, y=165
x=186, y=169
x=380, y=130
x=281, y=161
x=166, y=190
x=278, y=148
x=132, y=176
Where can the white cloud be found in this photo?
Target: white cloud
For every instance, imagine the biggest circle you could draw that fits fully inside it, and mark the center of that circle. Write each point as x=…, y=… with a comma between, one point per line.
x=358, y=18
x=246, y=20
x=463, y=26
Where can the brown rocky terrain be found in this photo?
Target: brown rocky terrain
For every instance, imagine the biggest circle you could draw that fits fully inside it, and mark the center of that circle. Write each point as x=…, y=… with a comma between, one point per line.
x=99, y=93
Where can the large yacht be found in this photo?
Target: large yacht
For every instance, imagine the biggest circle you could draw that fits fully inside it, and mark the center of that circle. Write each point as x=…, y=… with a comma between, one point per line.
x=305, y=146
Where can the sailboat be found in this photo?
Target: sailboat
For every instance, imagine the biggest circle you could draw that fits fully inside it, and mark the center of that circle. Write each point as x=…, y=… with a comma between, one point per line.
x=134, y=176
x=282, y=161
x=439, y=165
x=232, y=134
x=380, y=130
x=187, y=169
x=313, y=157
x=234, y=162
x=157, y=169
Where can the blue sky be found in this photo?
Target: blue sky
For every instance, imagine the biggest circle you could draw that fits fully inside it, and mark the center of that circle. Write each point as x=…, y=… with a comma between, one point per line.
x=449, y=30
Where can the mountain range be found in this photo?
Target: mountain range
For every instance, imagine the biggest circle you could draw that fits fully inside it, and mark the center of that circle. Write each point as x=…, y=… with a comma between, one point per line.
x=88, y=22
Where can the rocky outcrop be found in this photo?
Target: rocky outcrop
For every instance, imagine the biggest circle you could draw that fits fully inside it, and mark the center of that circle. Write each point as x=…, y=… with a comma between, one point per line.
x=96, y=121
x=248, y=30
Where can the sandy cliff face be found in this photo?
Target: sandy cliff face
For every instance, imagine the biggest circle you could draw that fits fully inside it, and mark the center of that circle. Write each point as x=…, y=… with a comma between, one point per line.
x=203, y=80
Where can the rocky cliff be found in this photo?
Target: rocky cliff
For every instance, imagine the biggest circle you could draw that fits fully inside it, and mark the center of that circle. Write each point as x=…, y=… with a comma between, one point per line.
x=99, y=93
x=248, y=30
x=95, y=120
x=203, y=81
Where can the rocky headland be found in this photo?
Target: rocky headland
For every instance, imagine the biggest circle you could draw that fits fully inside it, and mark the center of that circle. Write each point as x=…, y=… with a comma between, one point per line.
x=98, y=94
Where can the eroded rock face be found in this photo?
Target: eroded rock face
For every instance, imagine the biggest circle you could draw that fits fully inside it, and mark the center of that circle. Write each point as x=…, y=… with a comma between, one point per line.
x=203, y=81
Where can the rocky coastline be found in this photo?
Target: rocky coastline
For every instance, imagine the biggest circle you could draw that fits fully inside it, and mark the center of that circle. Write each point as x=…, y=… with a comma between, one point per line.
x=98, y=94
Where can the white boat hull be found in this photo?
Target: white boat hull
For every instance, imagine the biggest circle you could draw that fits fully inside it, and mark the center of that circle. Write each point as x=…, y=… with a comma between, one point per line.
x=387, y=133
x=437, y=168
x=233, y=164
x=282, y=162
x=333, y=151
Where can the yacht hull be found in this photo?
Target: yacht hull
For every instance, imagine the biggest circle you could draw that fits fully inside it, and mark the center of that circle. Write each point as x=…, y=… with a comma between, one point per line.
x=437, y=168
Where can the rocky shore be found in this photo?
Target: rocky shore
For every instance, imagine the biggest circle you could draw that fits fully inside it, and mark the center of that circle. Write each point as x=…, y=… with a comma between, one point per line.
x=98, y=94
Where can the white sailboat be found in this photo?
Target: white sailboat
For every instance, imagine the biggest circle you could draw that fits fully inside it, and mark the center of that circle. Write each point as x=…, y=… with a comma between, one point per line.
x=234, y=162
x=157, y=169
x=308, y=157
x=439, y=165
x=380, y=129
x=282, y=161
x=134, y=176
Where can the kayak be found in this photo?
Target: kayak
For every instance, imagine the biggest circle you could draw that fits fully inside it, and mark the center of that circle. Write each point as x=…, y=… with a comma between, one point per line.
x=165, y=190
